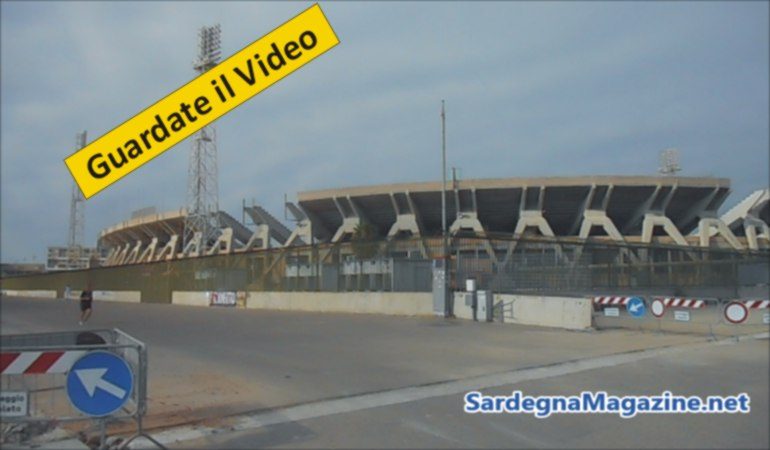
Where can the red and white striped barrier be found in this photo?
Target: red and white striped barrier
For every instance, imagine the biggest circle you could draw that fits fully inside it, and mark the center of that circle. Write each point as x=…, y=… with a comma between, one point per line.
x=757, y=304
x=682, y=302
x=611, y=300
x=17, y=363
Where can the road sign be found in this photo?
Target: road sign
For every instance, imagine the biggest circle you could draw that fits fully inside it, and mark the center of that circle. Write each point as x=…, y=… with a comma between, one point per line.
x=612, y=312
x=682, y=316
x=635, y=307
x=657, y=308
x=99, y=383
x=14, y=404
x=736, y=312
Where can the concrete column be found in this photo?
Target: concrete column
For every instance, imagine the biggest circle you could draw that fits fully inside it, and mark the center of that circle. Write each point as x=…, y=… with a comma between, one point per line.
x=223, y=244
x=121, y=257
x=134, y=254
x=751, y=225
x=705, y=226
x=652, y=219
x=148, y=252
x=592, y=218
x=260, y=239
x=168, y=252
x=193, y=247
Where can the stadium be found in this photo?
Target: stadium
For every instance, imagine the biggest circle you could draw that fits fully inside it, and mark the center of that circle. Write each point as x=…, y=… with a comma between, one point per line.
x=662, y=210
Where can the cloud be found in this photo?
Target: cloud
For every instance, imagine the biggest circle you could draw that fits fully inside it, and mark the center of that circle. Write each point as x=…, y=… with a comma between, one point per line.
x=531, y=88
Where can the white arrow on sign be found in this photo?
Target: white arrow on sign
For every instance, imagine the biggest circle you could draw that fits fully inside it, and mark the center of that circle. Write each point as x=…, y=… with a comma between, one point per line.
x=92, y=379
x=635, y=307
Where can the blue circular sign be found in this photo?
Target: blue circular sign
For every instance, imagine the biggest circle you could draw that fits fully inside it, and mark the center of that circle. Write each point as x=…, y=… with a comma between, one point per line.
x=99, y=383
x=635, y=307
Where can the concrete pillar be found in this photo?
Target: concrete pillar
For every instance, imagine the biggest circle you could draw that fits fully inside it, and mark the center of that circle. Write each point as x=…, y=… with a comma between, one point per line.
x=592, y=218
x=751, y=225
x=223, y=244
x=705, y=226
x=193, y=247
x=134, y=254
x=651, y=220
x=168, y=252
x=260, y=239
x=121, y=257
x=533, y=219
x=149, y=251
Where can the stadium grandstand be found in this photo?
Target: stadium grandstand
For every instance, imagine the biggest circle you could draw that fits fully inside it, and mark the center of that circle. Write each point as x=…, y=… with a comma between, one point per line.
x=650, y=210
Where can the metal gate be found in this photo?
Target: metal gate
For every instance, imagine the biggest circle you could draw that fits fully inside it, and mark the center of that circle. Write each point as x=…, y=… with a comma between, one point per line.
x=34, y=371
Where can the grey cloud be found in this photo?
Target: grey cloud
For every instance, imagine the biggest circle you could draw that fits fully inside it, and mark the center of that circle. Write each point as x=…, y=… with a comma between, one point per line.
x=532, y=89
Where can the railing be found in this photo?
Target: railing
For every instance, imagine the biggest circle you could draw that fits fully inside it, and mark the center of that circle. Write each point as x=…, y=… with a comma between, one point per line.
x=713, y=316
x=35, y=372
x=525, y=265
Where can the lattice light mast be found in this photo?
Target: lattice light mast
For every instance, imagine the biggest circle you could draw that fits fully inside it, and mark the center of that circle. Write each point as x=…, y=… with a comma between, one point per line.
x=669, y=162
x=77, y=216
x=202, y=176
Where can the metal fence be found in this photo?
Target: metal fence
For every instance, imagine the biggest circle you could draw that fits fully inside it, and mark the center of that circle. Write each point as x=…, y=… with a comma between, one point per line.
x=524, y=265
x=35, y=370
x=558, y=267
x=705, y=315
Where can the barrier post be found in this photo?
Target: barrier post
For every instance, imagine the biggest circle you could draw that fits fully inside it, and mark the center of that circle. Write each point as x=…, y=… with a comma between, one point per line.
x=95, y=375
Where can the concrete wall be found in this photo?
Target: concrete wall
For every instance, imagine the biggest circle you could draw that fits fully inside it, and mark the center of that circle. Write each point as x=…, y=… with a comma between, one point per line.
x=102, y=296
x=395, y=303
x=37, y=293
x=190, y=298
x=560, y=312
x=112, y=296
x=563, y=312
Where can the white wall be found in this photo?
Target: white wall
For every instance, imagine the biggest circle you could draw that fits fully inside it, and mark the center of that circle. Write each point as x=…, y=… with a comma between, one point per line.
x=395, y=303
x=30, y=293
x=111, y=296
x=563, y=312
x=560, y=312
x=190, y=298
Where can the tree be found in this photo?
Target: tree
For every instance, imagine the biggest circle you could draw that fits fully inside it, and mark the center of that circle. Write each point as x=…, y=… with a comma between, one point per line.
x=364, y=241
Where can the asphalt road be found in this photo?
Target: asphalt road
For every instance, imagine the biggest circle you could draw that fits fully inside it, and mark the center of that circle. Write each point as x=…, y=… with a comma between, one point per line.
x=441, y=423
x=208, y=365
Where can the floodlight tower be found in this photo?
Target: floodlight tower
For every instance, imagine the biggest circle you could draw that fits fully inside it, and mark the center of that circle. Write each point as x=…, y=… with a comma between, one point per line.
x=77, y=216
x=669, y=162
x=202, y=176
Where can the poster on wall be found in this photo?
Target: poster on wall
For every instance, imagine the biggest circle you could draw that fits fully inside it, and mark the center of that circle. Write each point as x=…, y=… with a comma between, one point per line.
x=222, y=299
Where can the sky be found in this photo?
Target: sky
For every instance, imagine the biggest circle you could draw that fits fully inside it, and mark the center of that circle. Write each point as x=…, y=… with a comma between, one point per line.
x=531, y=89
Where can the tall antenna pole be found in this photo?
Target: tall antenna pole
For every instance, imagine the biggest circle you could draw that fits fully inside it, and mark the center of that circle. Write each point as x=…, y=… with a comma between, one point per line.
x=443, y=174
x=202, y=176
x=77, y=216
x=444, y=238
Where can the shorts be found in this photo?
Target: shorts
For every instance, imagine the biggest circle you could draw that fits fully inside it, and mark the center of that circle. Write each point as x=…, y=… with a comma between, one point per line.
x=85, y=304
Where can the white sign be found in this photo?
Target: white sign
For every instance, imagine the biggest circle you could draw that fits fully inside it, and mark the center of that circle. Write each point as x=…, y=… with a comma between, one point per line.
x=222, y=299
x=766, y=318
x=470, y=285
x=682, y=316
x=657, y=308
x=13, y=404
x=612, y=312
x=736, y=312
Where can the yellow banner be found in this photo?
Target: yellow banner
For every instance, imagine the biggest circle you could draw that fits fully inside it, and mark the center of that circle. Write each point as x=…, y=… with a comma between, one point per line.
x=201, y=101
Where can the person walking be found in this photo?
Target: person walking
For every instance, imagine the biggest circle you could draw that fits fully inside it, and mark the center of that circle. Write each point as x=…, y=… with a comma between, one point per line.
x=86, y=300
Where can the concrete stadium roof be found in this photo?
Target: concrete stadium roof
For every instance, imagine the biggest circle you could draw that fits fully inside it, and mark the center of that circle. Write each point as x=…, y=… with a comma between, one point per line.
x=162, y=225
x=493, y=183
x=498, y=203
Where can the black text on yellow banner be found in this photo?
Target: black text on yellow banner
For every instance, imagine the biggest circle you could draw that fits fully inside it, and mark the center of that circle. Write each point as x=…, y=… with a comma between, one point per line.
x=201, y=101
